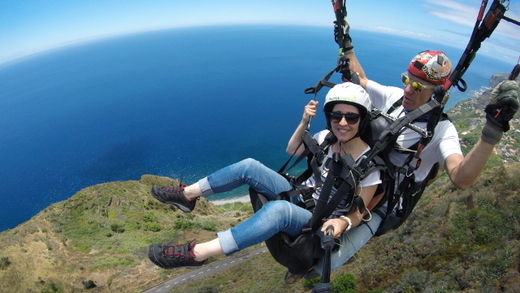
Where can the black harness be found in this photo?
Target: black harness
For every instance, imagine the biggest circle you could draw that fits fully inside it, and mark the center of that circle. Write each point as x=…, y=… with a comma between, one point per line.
x=403, y=192
x=300, y=254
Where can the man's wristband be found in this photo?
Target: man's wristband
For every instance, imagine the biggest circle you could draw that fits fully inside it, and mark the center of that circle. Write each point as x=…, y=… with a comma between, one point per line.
x=491, y=133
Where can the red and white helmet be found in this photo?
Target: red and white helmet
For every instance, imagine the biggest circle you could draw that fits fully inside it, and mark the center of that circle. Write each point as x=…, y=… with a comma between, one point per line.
x=431, y=66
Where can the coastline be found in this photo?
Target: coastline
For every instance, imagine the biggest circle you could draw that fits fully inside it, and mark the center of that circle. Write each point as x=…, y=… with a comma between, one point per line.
x=242, y=199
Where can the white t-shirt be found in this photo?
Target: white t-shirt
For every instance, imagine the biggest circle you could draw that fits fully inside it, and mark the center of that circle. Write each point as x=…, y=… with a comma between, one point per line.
x=445, y=141
x=373, y=178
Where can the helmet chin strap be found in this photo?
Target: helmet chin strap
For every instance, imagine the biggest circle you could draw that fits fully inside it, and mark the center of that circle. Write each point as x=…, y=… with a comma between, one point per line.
x=344, y=142
x=341, y=145
x=357, y=135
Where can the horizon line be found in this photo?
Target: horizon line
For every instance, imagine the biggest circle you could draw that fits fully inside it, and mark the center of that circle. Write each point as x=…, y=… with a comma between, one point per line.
x=28, y=54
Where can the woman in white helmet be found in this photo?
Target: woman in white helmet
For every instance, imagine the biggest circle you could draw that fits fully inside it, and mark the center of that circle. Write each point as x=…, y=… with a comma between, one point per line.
x=346, y=107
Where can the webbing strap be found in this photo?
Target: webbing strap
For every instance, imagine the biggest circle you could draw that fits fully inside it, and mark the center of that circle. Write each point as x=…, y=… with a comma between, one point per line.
x=321, y=203
x=409, y=176
x=360, y=204
x=322, y=82
x=388, y=135
x=342, y=169
x=324, y=206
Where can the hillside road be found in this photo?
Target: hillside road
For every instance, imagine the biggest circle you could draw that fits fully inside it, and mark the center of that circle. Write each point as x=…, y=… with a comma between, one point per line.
x=205, y=270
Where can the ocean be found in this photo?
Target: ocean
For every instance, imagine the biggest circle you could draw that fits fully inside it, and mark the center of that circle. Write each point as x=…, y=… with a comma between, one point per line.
x=180, y=103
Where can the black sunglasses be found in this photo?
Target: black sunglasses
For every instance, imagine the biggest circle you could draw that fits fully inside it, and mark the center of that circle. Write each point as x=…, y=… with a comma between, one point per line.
x=350, y=117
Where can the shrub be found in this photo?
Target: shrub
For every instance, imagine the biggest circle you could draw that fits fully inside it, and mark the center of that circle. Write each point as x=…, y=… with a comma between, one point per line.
x=497, y=266
x=210, y=227
x=117, y=228
x=312, y=282
x=149, y=218
x=182, y=224
x=344, y=283
x=413, y=280
x=4, y=263
x=52, y=288
x=154, y=227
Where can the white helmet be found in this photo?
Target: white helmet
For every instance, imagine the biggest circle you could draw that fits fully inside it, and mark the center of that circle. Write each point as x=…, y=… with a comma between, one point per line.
x=348, y=93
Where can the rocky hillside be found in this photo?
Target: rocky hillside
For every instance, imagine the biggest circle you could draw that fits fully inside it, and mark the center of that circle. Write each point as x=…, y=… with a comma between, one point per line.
x=456, y=241
x=99, y=237
x=469, y=117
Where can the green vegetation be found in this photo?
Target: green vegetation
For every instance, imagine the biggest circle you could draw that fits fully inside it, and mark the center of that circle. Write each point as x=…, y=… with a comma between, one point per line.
x=344, y=284
x=469, y=117
x=106, y=228
x=4, y=263
x=454, y=241
x=52, y=288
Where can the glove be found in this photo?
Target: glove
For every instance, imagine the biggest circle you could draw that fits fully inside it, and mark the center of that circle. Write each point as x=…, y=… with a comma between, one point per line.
x=500, y=110
x=341, y=34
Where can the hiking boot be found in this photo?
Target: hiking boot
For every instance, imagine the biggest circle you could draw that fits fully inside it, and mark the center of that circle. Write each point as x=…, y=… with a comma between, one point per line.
x=175, y=196
x=291, y=278
x=312, y=274
x=173, y=256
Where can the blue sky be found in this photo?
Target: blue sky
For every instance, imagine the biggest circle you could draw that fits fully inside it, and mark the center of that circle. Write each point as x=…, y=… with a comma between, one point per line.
x=30, y=26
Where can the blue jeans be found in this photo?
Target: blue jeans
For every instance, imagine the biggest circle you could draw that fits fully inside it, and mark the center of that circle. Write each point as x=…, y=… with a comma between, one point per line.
x=248, y=171
x=277, y=215
x=352, y=241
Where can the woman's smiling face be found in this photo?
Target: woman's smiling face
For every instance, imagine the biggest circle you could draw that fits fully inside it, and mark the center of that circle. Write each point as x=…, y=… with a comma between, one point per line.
x=342, y=129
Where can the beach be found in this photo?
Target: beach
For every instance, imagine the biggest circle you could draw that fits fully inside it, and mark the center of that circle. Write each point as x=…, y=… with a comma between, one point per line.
x=243, y=199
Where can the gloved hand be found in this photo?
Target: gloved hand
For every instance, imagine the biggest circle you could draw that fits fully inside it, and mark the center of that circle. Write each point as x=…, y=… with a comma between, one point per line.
x=501, y=108
x=342, y=34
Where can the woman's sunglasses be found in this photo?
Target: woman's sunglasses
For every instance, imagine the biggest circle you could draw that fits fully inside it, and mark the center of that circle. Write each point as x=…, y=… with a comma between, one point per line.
x=350, y=117
x=416, y=86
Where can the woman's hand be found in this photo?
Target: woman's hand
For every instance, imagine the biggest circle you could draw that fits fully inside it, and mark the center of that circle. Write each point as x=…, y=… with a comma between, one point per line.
x=339, y=226
x=294, y=146
x=310, y=111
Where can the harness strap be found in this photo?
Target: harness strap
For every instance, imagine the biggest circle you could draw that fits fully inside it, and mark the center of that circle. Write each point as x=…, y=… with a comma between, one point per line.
x=323, y=82
x=396, y=105
x=314, y=153
x=408, y=173
x=324, y=206
x=390, y=134
x=360, y=204
x=433, y=120
x=304, y=154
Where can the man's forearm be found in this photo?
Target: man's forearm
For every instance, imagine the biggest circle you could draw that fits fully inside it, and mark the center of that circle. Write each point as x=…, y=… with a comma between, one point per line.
x=467, y=170
x=355, y=67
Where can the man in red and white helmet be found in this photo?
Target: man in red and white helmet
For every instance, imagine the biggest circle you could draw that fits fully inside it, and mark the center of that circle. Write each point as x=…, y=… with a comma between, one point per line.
x=425, y=71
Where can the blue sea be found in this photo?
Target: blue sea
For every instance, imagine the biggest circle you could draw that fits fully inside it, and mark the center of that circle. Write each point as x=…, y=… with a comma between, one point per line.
x=179, y=102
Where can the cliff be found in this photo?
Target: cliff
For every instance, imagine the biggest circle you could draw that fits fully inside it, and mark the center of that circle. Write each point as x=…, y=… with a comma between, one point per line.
x=100, y=235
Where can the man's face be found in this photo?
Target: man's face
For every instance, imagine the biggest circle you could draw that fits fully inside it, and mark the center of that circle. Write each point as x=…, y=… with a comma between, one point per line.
x=412, y=99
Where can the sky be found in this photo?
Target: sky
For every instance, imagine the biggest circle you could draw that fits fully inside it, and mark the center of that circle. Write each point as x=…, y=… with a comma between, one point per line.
x=31, y=26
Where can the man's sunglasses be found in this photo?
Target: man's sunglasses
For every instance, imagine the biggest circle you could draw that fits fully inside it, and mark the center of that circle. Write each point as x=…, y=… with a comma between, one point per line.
x=416, y=86
x=350, y=117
